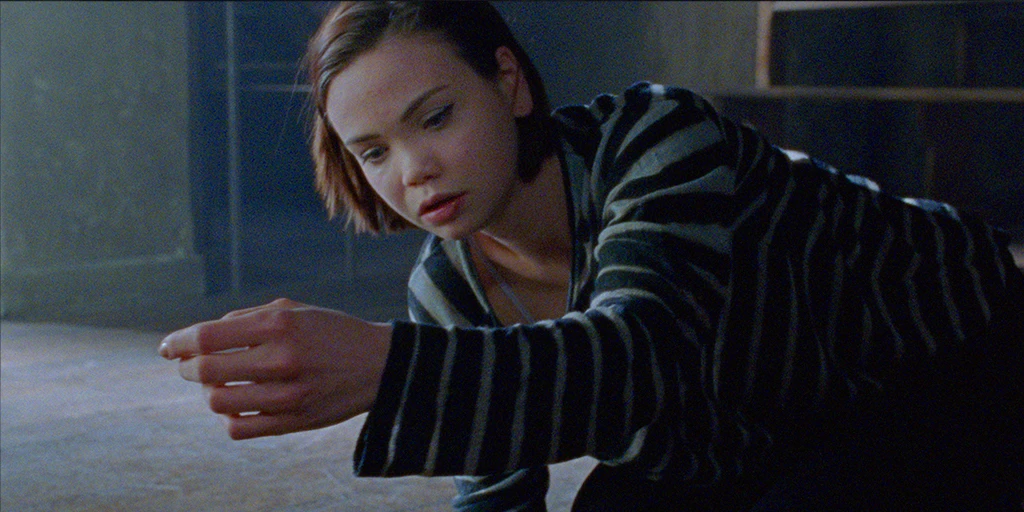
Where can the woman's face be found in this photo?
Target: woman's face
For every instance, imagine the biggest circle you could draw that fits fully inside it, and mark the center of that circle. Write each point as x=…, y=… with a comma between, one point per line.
x=434, y=139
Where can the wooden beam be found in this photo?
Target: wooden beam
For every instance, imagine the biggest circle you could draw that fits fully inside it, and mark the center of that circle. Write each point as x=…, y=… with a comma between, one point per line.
x=800, y=5
x=763, y=58
x=921, y=94
x=817, y=6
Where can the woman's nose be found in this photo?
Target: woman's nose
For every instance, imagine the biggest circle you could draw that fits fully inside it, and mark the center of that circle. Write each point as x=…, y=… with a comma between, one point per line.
x=420, y=168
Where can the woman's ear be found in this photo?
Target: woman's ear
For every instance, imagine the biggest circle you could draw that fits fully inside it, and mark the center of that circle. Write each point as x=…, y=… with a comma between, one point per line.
x=512, y=82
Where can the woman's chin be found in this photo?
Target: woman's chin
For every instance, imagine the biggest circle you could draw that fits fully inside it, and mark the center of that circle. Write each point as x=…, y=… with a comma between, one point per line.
x=454, y=231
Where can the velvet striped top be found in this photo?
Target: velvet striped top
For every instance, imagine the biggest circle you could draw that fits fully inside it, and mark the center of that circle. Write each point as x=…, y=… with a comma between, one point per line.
x=721, y=288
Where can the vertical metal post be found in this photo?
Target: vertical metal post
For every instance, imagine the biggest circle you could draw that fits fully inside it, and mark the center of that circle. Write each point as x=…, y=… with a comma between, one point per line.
x=234, y=178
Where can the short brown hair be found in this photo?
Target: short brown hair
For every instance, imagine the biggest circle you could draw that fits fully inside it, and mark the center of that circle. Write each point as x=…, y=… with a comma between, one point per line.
x=476, y=29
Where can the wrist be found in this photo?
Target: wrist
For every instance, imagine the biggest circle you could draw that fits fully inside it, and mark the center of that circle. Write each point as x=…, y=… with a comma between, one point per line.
x=381, y=347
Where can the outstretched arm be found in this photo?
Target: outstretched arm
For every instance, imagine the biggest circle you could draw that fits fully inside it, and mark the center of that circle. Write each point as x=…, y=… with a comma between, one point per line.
x=283, y=367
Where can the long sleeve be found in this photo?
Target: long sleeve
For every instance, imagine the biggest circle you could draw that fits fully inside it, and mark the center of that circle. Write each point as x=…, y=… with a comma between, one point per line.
x=723, y=290
x=478, y=401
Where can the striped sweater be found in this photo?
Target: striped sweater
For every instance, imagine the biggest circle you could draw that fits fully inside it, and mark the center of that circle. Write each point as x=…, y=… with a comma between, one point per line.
x=720, y=290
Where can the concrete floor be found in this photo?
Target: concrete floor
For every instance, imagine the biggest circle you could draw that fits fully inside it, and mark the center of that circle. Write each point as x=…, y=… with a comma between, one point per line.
x=93, y=420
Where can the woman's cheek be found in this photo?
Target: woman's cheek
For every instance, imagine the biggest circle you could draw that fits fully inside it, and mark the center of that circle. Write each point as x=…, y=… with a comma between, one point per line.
x=389, y=190
x=472, y=142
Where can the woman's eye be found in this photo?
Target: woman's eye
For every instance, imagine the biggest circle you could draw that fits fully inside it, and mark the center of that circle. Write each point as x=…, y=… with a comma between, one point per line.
x=373, y=155
x=438, y=117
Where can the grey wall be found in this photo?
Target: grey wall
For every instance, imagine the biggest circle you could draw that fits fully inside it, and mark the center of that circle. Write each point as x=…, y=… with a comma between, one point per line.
x=93, y=157
x=582, y=49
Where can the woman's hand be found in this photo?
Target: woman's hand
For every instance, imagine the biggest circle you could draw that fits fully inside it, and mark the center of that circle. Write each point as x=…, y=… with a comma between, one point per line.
x=283, y=367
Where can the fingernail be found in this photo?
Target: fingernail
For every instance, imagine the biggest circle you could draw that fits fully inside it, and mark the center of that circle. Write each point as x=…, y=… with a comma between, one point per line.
x=164, y=349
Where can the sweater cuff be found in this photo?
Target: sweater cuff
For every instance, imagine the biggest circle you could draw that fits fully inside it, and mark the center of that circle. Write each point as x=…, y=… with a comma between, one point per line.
x=372, y=455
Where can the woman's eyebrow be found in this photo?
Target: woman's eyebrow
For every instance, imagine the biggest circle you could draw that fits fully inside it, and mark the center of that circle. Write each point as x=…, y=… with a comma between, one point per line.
x=415, y=104
x=406, y=114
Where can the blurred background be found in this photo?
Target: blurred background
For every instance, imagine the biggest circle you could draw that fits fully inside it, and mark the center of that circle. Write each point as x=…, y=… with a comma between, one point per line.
x=155, y=169
x=154, y=173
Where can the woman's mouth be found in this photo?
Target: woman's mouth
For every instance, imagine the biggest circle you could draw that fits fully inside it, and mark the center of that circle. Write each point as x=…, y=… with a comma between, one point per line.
x=442, y=208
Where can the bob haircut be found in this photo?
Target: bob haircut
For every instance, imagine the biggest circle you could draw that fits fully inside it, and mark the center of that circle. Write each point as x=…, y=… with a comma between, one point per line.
x=476, y=29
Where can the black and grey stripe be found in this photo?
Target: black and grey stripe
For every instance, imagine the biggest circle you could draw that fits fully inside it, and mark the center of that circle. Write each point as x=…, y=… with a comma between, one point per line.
x=719, y=286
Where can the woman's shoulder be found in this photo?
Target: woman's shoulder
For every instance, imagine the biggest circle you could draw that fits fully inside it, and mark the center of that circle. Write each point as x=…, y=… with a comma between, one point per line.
x=643, y=104
x=614, y=131
x=639, y=97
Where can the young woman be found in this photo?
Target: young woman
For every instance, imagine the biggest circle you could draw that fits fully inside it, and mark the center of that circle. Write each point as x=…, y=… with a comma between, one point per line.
x=720, y=323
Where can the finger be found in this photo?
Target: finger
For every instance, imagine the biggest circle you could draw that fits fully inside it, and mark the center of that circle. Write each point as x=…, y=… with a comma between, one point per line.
x=248, y=426
x=276, y=304
x=263, y=397
x=241, y=312
x=215, y=336
x=255, y=364
x=246, y=311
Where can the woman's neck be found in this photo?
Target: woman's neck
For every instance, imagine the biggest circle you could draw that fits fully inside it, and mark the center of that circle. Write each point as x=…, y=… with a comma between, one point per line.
x=532, y=238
